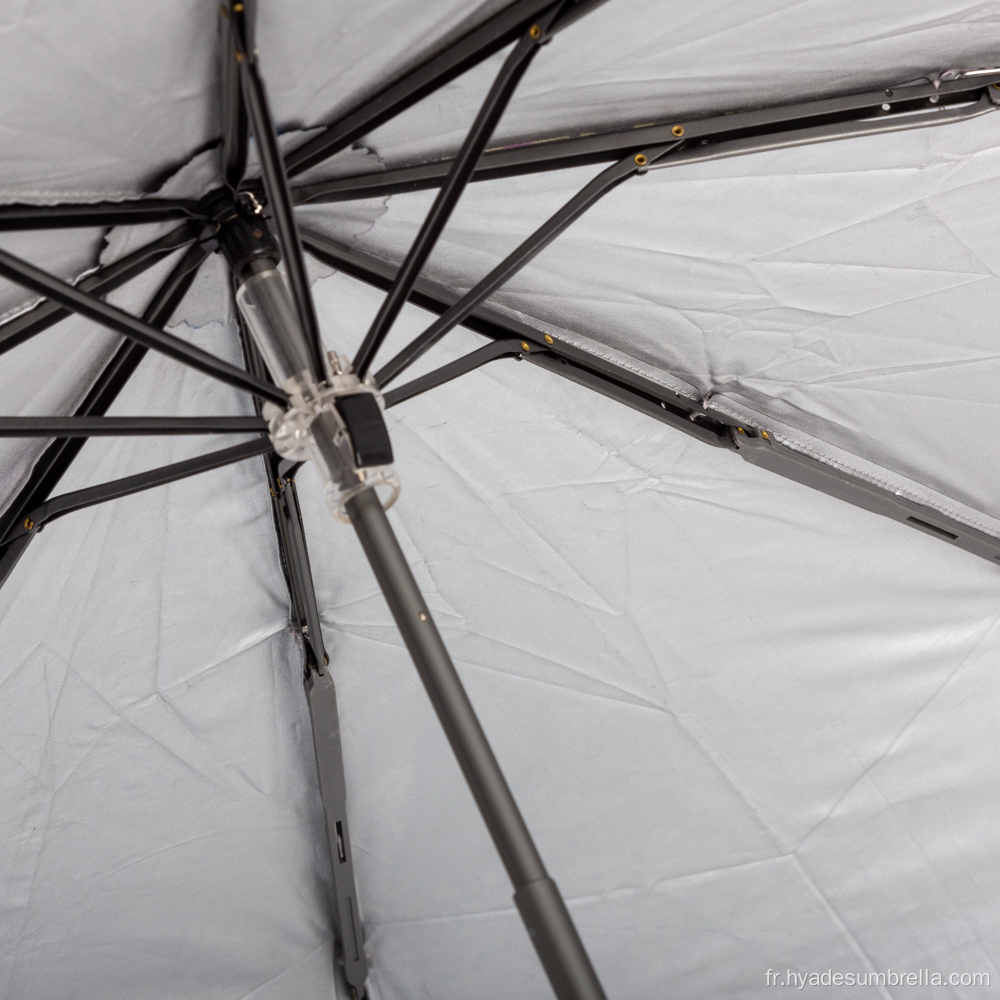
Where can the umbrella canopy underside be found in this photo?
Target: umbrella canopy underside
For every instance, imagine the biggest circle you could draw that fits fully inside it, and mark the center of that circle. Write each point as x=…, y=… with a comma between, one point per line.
x=750, y=725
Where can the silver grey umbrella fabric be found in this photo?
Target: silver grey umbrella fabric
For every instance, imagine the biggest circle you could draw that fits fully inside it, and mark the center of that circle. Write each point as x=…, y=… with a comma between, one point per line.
x=749, y=725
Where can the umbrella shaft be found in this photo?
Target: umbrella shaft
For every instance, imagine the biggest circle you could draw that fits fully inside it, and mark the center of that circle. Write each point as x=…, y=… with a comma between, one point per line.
x=551, y=928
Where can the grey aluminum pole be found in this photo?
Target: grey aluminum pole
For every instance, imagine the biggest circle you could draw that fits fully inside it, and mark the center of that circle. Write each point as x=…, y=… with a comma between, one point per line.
x=548, y=921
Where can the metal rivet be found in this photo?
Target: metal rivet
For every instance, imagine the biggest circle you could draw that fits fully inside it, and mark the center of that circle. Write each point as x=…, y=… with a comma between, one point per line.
x=548, y=339
x=239, y=57
x=678, y=130
x=887, y=107
x=238, y=7
x=423, y=616
x=525, y=346
x=997, y=85
x=763, y=434
x=257, y=234
x=535, y=31
x=640, y=158
x=28, y=524
x=740, y=430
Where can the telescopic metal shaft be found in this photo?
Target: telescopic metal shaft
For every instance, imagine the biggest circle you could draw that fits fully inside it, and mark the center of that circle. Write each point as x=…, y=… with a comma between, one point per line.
x=549, y=924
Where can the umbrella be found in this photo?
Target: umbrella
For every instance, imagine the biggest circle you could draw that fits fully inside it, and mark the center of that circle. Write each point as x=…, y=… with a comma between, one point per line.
x=742, y=716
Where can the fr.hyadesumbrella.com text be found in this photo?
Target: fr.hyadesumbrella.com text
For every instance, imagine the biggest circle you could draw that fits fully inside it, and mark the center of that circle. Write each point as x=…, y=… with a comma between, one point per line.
x=922, y=977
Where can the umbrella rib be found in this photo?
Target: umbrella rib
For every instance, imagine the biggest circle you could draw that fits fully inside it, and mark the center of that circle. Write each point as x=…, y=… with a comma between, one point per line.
x=89, y=426
x=320, y=694
x=889, y=109
x=461, y=366
x=447, y=198
x=59, y=455
x=279, y=197
x=604, y=182
x=558, y=356
x=131, y=212
x=23, y=273
x=443, y=67
x=235, y=126
x=66, y=503
x=105, y=279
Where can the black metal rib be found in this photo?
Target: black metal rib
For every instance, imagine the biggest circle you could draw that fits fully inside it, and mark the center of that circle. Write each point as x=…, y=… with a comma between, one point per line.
x=85, y=427
x=281, y=483
x=59, y=455
x=654, y=400
x=134, y=212
x=234, y=112
x=279, y=197
x=458, y=176
x=705, y=139
x=23, y=273
x=604, y=182
x=78, y=499
x=321, y=695
x=470, y=362
x=105, y=279
x=563, y=359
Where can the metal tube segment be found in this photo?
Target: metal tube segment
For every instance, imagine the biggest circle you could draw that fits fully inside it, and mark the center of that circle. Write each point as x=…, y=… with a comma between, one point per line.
x=549, y=924
x=447, y=198
x=86, y=427
x=136, y=212
x=321, y=695
x=234, y=113
x=604, y=182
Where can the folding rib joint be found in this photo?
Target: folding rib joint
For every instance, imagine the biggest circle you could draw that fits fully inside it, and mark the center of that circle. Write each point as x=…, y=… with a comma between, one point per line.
x=470, y=362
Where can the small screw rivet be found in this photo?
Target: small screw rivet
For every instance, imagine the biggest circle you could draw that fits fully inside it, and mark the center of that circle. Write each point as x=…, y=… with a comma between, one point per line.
x=28, y=524
x=535, y=31
x=239, y=57
x=423, y=616
x=764, y=435
x=739, y=430
x=640, y=158
x=238, y=7
x=997, y=85
x=548, y=339
x=525, y=346
x=678, y=130
x=257, y=234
